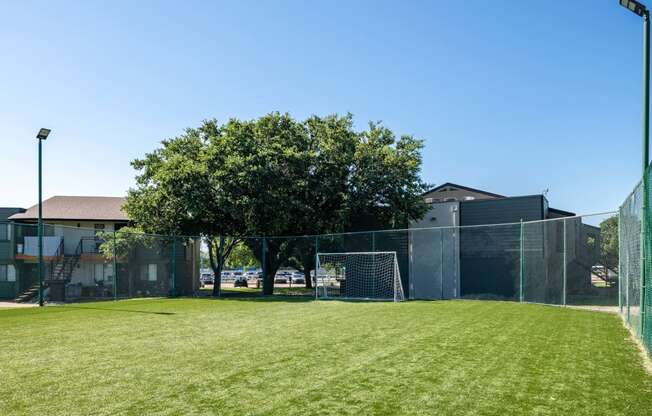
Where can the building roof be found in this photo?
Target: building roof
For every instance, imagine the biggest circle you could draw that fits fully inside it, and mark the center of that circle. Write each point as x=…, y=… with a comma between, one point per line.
x=6, y=212
x=561, y=212
x=77, y=208
x=443, y=185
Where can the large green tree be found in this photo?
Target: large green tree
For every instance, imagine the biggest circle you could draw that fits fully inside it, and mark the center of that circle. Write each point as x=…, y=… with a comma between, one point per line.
x=180, y=191
x=276, y=176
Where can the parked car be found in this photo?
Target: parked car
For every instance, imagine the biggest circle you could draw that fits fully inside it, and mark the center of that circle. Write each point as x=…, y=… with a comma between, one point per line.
x=206, y=279
x=240, y=281
x=298, y=278
x=282, y=277
x=253, y=275
x=227, y=276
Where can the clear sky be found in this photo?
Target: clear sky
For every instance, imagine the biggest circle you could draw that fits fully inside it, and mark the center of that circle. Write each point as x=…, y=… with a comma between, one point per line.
x=511, y=97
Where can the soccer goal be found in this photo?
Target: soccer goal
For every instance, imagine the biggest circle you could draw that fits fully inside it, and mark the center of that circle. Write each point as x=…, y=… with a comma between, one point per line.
x=358, y=275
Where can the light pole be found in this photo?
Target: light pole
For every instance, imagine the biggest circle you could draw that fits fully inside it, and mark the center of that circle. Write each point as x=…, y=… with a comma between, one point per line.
x=642, y=11
x=42, y=135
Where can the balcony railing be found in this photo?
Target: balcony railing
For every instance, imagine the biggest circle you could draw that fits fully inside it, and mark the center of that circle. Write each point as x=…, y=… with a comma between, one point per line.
x=51, y=246
x=90, y=245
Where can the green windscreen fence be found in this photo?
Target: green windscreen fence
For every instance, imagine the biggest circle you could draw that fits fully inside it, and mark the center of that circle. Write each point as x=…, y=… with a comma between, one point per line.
x=635, y=259
x=560, y=261
x=630, y=236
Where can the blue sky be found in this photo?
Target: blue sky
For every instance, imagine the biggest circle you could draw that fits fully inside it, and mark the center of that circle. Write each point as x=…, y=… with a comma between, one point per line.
x=511, y=97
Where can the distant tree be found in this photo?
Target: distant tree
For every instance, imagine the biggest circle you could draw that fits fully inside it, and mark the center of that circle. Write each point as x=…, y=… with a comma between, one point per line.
x=123, y=244
x=609, y=243
x=204, y=260
x=242, y=256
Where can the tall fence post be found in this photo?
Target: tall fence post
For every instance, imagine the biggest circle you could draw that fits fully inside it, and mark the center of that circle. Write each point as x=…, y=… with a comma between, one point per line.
x=316, y=265
x=620, y=262
x=564, y=265
x=115, y=270
x=521, y=265
x=373, y=261
x=174, y=267
x=642, y=285
x=264, y=261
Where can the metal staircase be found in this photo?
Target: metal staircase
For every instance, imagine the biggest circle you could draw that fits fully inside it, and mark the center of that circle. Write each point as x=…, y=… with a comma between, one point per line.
x=62, y=266
x=27, y=295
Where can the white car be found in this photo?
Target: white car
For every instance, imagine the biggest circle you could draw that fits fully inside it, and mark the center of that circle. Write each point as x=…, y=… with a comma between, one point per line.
x=298, y=278
x=253, y=275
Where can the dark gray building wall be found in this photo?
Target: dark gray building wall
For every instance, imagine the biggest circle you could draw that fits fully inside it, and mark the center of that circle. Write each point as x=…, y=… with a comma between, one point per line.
x=501, y=211
x=434, y=253
x=489, y=256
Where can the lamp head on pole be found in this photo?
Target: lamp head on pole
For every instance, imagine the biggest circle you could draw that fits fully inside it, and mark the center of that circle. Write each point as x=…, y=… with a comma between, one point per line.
x=634, y=7
x=43, y=134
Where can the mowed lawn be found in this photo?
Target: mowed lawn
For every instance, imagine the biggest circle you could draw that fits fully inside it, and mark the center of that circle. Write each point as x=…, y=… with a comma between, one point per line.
x=300, y=357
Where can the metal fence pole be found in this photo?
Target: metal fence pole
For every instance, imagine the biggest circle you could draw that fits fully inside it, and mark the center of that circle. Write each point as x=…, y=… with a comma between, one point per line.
x=373, y=260
x=174, y=267
x=642, y=255
x=115, y=270
x=264, y=263
x=564, y=265
x=521, y=264
x=316, y=265
x=620, y=262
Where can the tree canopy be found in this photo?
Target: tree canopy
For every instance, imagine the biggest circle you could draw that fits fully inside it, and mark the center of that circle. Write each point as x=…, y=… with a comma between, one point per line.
x=276, y=176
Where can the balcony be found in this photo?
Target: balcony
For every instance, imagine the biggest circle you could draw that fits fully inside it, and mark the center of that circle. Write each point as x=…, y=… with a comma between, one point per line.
x=89, y=248
x=52, y=247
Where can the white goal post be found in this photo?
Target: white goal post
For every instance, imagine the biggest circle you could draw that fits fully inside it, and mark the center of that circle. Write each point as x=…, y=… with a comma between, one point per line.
x=358, y=275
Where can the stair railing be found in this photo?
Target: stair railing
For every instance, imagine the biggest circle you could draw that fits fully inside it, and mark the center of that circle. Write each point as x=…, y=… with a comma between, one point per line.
x=58, y=254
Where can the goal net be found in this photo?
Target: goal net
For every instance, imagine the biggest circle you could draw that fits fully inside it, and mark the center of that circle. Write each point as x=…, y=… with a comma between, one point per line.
x=359, y=275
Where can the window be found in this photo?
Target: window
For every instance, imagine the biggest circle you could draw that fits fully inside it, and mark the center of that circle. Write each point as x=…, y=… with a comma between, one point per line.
x=151, y=272
x=99, y=272
x=148, y=272
x=99, y=226
x=428, y=200
x=7, y=273
x=4, y=232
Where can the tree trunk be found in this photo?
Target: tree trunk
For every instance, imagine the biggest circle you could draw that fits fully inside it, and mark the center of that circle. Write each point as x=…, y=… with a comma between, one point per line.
x=307, y=276
x=216, y=266
x=217, y=255
x=268, y=279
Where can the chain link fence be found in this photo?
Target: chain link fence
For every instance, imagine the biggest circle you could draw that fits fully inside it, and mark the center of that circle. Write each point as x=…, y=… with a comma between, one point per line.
x=562, y=261
x=86, y=263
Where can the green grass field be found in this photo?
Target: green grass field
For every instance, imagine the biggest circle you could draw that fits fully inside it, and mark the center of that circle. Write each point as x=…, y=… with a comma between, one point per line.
x=298, y=357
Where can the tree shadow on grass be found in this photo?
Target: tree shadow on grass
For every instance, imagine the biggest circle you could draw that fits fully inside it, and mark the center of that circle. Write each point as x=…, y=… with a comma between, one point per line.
x=257, y=297
x=119, y=310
